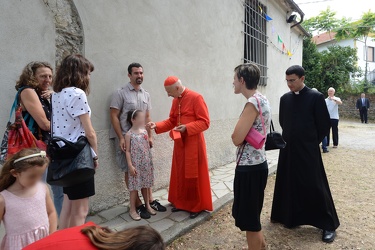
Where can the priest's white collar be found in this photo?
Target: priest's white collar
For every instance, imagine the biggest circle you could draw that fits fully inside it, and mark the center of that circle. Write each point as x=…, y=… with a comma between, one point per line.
x=184, y=88
x=297, y=92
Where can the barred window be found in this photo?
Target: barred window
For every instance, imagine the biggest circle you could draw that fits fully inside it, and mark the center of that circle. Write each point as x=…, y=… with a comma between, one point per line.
x=255, y=35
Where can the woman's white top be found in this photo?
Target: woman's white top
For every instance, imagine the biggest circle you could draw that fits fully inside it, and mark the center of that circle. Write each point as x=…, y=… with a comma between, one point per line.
x=250, y=155
x=67, y=106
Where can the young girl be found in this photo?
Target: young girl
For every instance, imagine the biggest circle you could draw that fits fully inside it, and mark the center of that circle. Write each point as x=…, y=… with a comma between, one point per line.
x=26, y=206
x=138, y=156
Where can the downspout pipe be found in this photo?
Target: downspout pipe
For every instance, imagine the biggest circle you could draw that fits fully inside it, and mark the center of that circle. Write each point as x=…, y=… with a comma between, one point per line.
x=297, y=9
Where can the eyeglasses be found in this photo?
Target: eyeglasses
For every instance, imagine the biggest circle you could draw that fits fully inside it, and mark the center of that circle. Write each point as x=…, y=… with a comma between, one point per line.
x=292, y=80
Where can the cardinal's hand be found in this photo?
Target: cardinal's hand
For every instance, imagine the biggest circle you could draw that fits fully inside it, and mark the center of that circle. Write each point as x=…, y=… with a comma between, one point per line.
x=181, y=128
x=151, y=125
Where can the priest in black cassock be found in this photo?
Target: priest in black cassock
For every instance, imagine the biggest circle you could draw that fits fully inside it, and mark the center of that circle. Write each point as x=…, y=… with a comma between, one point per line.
x=302, y=195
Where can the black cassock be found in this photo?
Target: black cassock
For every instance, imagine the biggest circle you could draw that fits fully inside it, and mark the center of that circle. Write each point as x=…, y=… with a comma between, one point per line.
x=302, y=195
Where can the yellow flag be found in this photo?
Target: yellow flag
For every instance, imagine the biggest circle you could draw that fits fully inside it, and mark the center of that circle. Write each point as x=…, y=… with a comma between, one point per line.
x=289, y=53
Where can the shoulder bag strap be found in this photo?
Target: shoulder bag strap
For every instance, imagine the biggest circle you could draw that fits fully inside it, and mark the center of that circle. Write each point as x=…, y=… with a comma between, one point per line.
x=272, y=128
x=51, y=126
x=16, y=103
x=261, y=115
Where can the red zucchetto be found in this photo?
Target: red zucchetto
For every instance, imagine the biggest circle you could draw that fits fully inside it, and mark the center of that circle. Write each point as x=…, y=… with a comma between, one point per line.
x=170, y=80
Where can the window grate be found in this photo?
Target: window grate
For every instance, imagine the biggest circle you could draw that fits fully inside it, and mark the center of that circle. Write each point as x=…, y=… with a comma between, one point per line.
x=255, y=37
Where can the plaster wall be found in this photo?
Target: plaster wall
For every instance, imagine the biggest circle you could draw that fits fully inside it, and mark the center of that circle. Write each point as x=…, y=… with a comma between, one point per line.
x=201, y=46
x=361, y=54
x=27, y=33
x=277, y=61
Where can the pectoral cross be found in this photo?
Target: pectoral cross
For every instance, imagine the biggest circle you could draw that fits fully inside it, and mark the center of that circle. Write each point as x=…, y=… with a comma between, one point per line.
x=179, y=111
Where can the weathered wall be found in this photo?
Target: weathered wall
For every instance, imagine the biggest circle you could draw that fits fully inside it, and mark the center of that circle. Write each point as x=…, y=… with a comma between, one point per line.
x=202, y=47
x=277, y=61
x=27, y=33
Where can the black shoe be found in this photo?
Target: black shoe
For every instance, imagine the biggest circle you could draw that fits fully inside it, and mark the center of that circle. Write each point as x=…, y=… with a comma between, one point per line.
x=328, y=236
x=325, y=151
x=142, y=211
x=157, y=206
x=174, y=210
x=195, y=215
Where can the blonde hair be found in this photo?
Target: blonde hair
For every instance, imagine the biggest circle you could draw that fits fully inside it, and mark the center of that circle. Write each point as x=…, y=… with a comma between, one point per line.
x=137, y=238
x=27, y=78
x=6, y=177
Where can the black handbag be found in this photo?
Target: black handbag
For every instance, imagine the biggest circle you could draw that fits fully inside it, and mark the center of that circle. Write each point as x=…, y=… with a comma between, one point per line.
x=274, y=139
x=71, y=163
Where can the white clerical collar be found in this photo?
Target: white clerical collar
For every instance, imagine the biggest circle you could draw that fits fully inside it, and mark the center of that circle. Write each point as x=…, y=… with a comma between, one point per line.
x=182, y=91
x=297, y=92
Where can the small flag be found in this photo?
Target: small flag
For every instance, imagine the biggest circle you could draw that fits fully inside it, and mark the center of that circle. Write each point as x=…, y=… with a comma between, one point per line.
x=283, y=46
x=273, y=29
x=289, y=53
x=268, y=18
x=279, y=39
x=260, y=8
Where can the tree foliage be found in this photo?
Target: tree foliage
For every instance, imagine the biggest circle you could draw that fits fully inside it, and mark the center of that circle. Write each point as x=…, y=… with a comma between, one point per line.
x=333, y=67
x=360, y=30
x=329, y=68
x=311, y=62
x=326, y=21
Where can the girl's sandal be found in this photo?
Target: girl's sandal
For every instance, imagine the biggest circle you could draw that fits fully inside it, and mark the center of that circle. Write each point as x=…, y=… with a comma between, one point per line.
x=135, y=216
x=151, y=211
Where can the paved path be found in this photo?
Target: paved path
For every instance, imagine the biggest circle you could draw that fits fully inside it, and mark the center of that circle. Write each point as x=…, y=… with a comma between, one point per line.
x=172, y=225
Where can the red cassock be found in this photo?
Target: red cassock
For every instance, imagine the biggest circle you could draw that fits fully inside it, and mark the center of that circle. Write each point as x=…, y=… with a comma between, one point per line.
x=189, y=187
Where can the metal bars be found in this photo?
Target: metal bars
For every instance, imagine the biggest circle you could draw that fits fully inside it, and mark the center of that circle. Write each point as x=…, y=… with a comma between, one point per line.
x=255, y=37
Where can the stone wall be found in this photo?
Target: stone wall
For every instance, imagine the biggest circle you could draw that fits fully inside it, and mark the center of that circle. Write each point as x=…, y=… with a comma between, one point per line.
x=69, y=32
x=348, y=110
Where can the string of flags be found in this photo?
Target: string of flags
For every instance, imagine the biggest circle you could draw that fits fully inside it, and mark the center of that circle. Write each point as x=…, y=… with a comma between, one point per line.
x=267, y=17
x=283, y=49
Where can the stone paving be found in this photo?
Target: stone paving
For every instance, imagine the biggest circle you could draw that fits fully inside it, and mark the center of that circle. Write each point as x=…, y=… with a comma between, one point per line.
x=172, y=225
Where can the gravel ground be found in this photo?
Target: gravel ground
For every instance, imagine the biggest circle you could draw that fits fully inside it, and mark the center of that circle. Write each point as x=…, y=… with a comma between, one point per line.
x=350, y=171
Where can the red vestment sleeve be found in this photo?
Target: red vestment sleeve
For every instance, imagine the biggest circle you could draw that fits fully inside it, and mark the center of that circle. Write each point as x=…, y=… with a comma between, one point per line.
x=170, y=123
x=202, y=121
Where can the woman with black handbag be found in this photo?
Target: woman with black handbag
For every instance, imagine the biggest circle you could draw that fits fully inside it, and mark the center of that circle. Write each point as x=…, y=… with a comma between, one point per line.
x=252, y=169
x=71, y=123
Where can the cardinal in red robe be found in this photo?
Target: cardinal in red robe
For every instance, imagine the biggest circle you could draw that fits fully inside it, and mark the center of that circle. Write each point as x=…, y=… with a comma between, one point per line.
x=189, y=188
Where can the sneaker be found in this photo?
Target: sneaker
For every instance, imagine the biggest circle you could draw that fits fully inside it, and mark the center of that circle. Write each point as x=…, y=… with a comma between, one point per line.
x=142, y=211
x=157, y=206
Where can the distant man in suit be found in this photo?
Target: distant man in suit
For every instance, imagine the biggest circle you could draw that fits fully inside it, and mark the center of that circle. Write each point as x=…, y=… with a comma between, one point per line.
x=363, y=105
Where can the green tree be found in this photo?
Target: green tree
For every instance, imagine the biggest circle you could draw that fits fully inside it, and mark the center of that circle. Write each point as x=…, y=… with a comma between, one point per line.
x=360, y=30
x=329, y=68
x=326, y=21
x=338, y=63
x=311, y=62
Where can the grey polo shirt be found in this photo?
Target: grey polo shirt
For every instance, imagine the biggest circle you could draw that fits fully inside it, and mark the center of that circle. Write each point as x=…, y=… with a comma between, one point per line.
x=125, y=100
